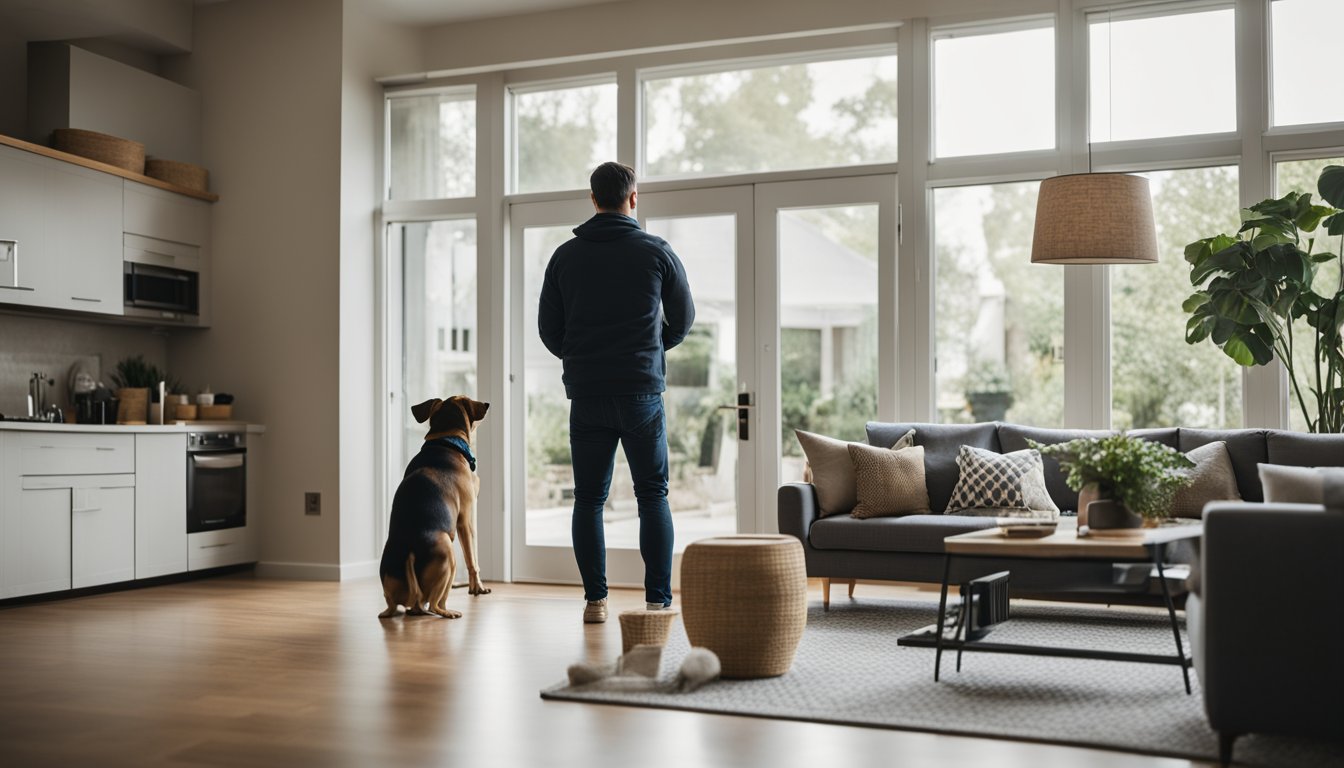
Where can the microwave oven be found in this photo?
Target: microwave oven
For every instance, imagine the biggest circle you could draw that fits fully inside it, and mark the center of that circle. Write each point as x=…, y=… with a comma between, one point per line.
x=162, y=292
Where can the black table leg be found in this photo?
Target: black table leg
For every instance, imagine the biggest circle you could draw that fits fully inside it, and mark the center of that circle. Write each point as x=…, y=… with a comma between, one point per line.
x=942, y=609
x=1171, y=612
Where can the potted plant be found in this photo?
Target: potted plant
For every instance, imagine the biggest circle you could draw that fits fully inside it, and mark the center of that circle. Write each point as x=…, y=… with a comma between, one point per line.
x=989, y=392
x=1251, y=287
x=1127, y=482
x=137, y=384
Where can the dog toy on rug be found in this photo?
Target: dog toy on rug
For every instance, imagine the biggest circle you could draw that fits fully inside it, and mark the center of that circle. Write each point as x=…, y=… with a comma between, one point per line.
x=637, y=670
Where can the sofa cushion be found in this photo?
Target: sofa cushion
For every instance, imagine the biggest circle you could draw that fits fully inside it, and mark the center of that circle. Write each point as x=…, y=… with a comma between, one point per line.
x=913, y=533
x=1286, y=484
x=941, y=443
x=1000, y=484
x=1246, y=447
x=1304, y=449
x=1211, y=479
x=832, y=470
x=1014, y=437
x=889, y=482
x=1168, y=436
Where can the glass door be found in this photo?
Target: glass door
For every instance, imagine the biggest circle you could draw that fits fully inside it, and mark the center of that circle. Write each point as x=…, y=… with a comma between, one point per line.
x=711, y=488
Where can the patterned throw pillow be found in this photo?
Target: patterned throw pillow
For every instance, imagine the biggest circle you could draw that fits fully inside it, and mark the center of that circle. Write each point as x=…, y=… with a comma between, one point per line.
x=1001, y=485
x=830, y=470
x=889, y=482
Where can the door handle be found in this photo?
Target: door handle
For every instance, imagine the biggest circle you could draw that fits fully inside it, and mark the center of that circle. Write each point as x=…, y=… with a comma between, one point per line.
x=744, y=407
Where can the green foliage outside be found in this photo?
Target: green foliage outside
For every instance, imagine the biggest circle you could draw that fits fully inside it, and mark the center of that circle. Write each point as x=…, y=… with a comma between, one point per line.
x=1141, y=474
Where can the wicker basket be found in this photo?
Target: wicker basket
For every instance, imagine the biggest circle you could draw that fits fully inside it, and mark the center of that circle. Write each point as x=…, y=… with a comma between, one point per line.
x=745, y=599
x=178, y=173
x=645, y=628
x=215, y=412
x=132, y=405
x=113, y=150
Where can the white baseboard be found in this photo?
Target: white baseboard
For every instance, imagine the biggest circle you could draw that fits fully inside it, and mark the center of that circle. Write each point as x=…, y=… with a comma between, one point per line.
x=318, y=571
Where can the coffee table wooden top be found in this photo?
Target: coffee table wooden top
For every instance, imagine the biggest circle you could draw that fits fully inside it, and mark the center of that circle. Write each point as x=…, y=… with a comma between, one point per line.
x=1065, y=543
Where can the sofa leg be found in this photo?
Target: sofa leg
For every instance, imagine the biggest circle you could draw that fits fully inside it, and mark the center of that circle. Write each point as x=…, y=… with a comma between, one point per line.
x=851, y=589
x=825, y=594
x=1225, y=739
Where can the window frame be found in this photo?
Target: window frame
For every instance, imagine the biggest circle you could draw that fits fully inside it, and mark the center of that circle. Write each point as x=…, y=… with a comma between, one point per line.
x=514, y=90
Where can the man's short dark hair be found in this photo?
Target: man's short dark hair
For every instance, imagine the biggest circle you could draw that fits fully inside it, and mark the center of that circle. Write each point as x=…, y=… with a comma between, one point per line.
x=612, y=184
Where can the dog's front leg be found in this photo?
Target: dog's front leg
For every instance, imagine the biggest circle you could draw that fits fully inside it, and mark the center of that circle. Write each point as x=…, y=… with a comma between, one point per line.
x=466, y=530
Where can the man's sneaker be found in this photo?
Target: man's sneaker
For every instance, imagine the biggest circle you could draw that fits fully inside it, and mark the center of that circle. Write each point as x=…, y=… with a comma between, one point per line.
x=595, y=612
x=656, y=606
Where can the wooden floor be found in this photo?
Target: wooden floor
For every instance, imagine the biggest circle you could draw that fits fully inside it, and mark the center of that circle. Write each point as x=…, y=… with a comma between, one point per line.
x=238, y=671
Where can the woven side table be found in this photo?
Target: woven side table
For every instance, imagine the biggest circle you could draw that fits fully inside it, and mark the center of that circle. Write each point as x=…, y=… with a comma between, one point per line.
x=745, y=599
x=645, y=628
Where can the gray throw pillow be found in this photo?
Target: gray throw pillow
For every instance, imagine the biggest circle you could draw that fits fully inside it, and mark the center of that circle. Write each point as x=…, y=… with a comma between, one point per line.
x=830, y=470
x=1211, y=479
x=1001, y=485
x=1286, y=484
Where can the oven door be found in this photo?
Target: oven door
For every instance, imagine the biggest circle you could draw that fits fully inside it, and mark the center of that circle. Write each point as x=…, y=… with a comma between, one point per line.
x=216, y=490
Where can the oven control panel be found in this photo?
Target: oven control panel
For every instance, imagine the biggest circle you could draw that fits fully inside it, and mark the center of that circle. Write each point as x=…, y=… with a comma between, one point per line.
x=215, y=441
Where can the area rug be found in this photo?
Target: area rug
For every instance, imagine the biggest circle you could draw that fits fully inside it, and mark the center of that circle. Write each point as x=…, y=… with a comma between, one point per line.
x=850, y=671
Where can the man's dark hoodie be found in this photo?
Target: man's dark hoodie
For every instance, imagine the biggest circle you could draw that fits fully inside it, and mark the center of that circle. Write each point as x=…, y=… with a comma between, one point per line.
x=599, y=309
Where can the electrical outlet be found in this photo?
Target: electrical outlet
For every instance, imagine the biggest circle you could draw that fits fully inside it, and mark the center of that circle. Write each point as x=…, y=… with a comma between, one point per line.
x=312, y=503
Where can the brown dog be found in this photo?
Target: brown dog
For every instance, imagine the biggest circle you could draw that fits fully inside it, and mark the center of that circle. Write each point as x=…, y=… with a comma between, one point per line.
x=433, y=506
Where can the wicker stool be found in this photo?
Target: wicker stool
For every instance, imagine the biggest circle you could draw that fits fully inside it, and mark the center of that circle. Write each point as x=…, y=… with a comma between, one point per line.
x=645, y=628
x=745, y=599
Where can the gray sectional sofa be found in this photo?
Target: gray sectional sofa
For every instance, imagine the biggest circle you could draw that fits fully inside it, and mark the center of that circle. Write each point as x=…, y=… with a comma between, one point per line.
x=842, y=548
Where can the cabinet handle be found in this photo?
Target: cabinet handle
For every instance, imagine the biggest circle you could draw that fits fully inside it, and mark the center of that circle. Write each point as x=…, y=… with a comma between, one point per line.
x=216, y=546
x=81, y=298
x=78, y=448
x=15, y=288
x=86, y=509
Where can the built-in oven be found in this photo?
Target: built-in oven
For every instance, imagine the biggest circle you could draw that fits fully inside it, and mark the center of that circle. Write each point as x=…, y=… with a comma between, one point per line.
x=216, y=481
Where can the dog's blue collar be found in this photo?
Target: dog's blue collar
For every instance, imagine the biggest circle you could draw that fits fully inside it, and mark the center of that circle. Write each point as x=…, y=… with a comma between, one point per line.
x=460, y=446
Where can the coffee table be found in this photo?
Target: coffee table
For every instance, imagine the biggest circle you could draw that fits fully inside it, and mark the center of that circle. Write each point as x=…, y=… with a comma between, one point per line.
x=1148, y=546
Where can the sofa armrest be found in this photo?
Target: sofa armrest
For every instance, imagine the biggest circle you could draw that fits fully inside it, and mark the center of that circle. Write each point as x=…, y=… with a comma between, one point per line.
x=797, y=509
x=1269, y=610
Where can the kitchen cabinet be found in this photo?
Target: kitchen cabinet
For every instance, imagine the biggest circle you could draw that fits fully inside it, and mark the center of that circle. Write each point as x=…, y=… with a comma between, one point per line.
x=102, y=531
x=26, y=277
x=84, y=227
x=160, y=504
x=161, y=215
x=35, y=542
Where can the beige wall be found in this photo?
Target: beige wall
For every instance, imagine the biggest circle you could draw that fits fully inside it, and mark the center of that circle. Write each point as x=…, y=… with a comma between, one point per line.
x=637, y=25
x=269, y=76
x=371, y=49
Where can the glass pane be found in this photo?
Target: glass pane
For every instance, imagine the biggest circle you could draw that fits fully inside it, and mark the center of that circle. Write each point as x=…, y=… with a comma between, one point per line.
x=438, y=315
x=828, y=325
x=1305, y=42
x=1300, y=176
x=994, y=92
x=550, y=477
x=825, y=113
x=1168, y=75
x=562, y=135
x=999, y=318
x=1158, y=380
x=433, y=146
x=701, y=375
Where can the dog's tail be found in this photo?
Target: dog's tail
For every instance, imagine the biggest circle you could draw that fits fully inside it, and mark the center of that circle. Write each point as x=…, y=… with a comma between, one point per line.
x=412, y=586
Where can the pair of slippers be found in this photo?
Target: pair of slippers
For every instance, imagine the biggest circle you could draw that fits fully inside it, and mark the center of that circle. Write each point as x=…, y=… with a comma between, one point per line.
x=637, y=670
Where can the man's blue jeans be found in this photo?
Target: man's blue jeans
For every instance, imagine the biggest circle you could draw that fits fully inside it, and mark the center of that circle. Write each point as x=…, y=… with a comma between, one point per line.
x=638, y=423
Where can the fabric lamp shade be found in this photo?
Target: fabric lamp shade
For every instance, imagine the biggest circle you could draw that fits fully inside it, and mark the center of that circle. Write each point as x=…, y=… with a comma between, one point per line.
x=1094, y=218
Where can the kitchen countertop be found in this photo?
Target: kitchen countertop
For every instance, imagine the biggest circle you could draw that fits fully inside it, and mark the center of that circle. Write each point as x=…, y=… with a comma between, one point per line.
x=177, y=426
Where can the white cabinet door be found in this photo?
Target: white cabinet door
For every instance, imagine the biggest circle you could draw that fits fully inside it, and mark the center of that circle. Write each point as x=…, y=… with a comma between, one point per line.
x=164, y=215
x=102, y=536
x=160, y=505
x=26, y=270
x=35, y=542
x=84, y=229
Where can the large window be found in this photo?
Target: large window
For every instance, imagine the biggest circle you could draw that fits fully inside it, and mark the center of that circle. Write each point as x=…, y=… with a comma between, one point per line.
x=1169, y=74
x=1000, y=318
x=1158, y=380
x=1300, y=176
x=994, y=91
x=1305, y=61
x=561, y=134
x=432, y=140
x=807, y=115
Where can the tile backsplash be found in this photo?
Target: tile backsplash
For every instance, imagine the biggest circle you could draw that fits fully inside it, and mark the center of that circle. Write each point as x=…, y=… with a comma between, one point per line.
x=53, y=346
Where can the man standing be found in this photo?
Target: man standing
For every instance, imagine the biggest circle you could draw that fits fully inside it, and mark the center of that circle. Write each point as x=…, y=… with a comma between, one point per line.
x=613, y=301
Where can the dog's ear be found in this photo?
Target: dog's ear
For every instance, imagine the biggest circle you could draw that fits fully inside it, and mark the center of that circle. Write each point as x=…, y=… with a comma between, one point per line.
x=477, y=410
x=423, y=410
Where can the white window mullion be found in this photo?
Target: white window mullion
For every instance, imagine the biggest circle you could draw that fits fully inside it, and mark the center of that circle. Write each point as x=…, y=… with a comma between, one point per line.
x=914, y=323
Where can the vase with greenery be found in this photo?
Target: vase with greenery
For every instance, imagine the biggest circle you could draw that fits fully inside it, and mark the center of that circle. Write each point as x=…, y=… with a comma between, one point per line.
x=1251, y=289
x=137, y=383
x=1140, y=475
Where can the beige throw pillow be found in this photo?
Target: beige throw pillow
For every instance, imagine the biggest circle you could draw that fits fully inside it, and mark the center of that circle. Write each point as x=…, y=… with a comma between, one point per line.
x=831, y=471
x=1286, y=484
x=889, y=482
x=1211, y=479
